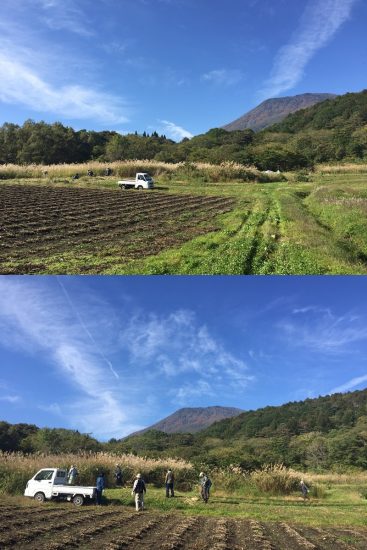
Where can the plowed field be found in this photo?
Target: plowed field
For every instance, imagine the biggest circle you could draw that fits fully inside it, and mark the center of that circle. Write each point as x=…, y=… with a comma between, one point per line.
x=58, y=526
x=39, y=223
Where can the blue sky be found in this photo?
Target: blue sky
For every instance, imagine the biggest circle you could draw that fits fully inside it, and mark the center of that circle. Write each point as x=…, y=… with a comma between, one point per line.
x=109, y=355
x=176, y=66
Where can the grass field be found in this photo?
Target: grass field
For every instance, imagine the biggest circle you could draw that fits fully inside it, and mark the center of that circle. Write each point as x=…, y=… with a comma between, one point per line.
x=318, y=226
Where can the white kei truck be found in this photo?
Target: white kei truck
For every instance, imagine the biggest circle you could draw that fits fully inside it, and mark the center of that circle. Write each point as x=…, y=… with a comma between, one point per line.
x=51, y=483
x=142, y=181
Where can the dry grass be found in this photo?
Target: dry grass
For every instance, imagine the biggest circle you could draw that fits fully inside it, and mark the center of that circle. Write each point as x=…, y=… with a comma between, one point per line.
x=17, y=468
x=32, y=462
x=225, y=171
x=347, y=168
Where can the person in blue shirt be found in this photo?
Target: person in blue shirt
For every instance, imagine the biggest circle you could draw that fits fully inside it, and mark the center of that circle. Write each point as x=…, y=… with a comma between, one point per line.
x=100, y=485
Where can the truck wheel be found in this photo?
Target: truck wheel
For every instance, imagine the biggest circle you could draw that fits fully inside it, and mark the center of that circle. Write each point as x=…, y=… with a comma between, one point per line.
x=78, y=500
x=140, y=187
x=39, y=497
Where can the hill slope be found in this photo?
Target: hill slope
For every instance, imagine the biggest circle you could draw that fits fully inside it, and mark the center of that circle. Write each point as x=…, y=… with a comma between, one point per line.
x=274, y=110
x=192, y=419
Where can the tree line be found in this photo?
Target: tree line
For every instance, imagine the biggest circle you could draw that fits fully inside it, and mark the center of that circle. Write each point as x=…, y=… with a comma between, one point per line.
x=331, y=131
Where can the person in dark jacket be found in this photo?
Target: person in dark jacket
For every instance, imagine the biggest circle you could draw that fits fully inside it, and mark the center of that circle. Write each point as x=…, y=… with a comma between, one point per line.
x=169, y=481
x=304, y=489
x=118, y=476
x=100, y=485
x=205, y=485
x=138, y=490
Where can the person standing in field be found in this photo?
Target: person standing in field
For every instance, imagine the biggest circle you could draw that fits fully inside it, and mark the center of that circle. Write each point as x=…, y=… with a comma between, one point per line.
x=100, y=485
x=118, y=476
x=169, y=481
x=138, y=490
x=205, y=485
x=304, y=489
x=72, y=475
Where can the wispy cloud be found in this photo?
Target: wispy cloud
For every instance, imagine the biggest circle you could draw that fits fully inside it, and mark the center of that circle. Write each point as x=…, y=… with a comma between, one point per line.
x=320, y=329
x=176, y=345
x=20, y=84
x=319, y=23
x=37, y=75
x=85, y=328
x=10, y=398
x=65, y=15
x=223, y=77
x=353, y=383
x=188, y=391
x=173, y=131
x=45, y=323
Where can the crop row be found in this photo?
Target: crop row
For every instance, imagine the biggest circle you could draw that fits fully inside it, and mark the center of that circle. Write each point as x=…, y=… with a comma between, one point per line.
x=55, y=527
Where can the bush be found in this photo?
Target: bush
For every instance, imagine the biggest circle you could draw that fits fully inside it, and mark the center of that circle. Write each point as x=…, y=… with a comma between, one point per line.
x=276, y=480
x=12, y=482
x=302, y=176
x=318, y=491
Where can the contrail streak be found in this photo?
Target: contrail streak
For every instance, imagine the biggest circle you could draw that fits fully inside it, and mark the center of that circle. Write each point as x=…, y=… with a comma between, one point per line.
x=85, y=328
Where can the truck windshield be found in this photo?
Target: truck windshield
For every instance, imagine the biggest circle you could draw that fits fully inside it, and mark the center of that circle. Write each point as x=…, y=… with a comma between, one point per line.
x=45, y=474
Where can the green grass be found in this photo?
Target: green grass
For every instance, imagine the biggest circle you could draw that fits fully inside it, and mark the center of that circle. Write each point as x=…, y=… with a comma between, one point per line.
x=313, y=227
x=342, y=506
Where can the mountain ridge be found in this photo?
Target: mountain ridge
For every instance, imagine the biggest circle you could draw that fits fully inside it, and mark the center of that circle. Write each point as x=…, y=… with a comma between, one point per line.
x=274, y=110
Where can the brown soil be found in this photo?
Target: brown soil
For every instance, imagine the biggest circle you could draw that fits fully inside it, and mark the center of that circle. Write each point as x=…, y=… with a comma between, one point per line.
x=55, y=526
x=39, y=222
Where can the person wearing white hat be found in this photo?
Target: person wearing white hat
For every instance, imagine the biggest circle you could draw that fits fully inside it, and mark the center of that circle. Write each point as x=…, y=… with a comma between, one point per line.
x=169, y=481
x=138, y=490
x=205, y=485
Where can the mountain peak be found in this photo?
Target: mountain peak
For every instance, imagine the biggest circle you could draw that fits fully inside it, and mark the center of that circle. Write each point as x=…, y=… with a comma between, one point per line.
x=192, y=419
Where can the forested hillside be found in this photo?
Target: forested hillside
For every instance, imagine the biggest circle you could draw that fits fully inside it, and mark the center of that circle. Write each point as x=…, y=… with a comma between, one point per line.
x=333, y=130
x=28, y=438
x=318, y=433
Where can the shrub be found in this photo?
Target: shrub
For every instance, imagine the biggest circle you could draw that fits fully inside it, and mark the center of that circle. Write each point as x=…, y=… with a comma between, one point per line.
x=276, y=479
x=318, y=491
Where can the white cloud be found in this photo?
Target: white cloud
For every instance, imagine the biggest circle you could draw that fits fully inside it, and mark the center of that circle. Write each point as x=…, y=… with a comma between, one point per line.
x=223, y=77
x=20, y=84
x=319, y=329
x=64, y=15
x=197, y=390
x=319, y=23
x=353, y=383
x=53, y=408
x=10, y=398
x=40, y=319
x=176, y=346
x=173, y=131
